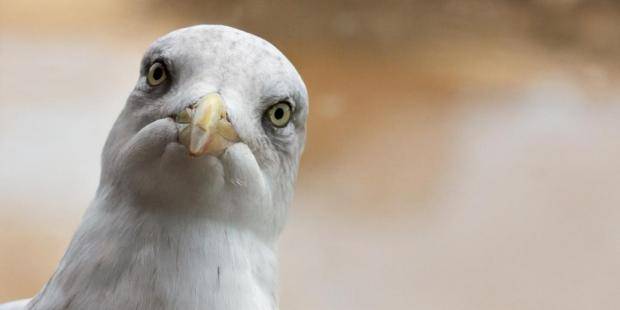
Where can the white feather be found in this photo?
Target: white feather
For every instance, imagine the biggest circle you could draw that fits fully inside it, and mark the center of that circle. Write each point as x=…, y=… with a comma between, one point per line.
x=168, y=231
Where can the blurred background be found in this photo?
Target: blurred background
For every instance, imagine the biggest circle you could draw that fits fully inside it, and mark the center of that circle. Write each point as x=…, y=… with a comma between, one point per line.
x=461, y=154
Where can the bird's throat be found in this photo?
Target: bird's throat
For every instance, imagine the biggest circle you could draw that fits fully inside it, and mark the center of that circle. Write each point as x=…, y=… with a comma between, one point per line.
x=126, y=258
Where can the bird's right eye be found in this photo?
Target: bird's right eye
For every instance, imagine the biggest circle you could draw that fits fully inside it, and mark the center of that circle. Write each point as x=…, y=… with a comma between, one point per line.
x=157, y=74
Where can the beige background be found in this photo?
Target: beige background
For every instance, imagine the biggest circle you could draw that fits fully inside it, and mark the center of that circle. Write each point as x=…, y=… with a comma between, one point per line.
x=461, y=154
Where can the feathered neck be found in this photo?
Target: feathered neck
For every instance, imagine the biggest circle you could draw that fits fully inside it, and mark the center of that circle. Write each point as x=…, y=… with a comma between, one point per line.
x=132, y=257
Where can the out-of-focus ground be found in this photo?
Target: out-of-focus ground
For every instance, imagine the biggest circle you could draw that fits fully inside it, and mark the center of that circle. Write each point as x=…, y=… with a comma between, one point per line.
x=461, y=154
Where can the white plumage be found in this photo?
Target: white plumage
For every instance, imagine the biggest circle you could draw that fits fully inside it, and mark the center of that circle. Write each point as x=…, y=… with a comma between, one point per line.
x=197, y=175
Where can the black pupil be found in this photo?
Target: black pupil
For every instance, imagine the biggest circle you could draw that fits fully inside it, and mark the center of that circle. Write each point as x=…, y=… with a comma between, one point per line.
x=157, y=73
x=279, y=113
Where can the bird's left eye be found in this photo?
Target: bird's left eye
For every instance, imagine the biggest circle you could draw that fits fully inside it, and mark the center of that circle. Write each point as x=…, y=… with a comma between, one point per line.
x=279, y=114
x=157, y=74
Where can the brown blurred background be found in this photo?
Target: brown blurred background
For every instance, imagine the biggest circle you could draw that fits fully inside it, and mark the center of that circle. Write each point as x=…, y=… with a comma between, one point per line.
x=461, y=154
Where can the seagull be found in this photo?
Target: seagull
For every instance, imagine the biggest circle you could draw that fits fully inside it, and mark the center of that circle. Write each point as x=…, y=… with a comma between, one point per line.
x=196, y=178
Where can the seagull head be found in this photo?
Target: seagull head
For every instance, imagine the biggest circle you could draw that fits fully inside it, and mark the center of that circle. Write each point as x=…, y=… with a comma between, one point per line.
x=214, y=127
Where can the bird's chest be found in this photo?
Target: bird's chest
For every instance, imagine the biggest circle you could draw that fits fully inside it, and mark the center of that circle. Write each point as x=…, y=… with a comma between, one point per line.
x=222, y=270
x=207, y=267
x=216, y=268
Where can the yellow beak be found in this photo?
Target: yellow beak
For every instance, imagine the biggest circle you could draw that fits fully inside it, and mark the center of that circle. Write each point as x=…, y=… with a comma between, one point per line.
x=204, y=127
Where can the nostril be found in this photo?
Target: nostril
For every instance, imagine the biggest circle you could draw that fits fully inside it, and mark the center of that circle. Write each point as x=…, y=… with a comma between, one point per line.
x=184, y=117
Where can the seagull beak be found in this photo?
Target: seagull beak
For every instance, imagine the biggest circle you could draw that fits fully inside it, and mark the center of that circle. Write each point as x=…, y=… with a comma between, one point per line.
x=204, y=128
